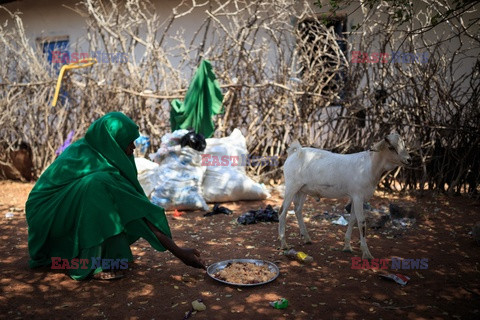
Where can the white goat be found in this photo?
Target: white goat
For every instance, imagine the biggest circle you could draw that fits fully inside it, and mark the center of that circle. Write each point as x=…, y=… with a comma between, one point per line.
x=320, y=173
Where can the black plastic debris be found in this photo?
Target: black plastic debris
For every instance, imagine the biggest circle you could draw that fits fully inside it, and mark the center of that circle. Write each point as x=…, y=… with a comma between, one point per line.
x=194, y=140
x=217, y=209
x=366, y=206
x=261, y=215
x=247, y=218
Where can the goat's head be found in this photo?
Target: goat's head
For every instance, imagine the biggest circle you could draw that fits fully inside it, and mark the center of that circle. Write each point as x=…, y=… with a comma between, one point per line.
x=393, y=148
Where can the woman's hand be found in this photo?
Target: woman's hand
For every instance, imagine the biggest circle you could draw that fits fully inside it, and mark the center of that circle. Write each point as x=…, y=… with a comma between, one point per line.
x=191, y=257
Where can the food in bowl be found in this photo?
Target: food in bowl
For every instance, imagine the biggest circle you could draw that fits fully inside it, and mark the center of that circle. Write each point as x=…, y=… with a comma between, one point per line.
x=245, y=273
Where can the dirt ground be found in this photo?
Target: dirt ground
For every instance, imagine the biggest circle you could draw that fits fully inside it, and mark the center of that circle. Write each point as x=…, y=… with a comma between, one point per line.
x=158, y=286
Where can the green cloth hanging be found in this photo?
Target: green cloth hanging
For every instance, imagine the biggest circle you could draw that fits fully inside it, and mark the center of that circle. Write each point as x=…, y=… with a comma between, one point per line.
x=202, y=100
x=89, y=200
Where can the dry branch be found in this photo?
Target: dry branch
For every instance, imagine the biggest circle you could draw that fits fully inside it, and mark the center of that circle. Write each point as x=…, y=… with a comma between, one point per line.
x=286, y=75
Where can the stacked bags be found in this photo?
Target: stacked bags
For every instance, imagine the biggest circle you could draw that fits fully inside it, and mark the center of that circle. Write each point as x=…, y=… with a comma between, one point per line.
x=185, y=179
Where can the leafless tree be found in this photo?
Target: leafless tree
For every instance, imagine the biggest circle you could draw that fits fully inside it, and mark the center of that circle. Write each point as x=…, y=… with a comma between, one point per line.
x=286, y=71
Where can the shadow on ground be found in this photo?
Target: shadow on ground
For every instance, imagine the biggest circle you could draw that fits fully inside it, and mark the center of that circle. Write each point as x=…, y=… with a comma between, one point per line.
x=158, y=286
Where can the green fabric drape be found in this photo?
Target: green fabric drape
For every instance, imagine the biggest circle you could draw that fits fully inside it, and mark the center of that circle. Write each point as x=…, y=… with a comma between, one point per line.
x=202, y=100
x=89, y=195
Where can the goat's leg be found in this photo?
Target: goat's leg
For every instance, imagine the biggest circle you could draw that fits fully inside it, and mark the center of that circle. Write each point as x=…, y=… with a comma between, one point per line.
x=287, y=200
x=298, y=202
x=362, y=227
x=348, y=234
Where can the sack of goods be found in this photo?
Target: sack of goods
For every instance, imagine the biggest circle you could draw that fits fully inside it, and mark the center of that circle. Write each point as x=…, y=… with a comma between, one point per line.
x=225, y=178
x=187, y=171
x=176, y=181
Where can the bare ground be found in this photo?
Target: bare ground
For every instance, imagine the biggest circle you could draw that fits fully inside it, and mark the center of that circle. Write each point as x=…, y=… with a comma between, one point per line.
x=158, y=286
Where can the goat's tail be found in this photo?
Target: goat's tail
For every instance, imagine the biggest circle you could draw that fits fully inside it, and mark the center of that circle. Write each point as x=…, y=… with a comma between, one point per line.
x=294, y=147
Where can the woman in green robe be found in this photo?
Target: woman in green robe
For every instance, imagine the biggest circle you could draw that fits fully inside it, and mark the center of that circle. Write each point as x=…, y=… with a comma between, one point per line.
x=89, y=204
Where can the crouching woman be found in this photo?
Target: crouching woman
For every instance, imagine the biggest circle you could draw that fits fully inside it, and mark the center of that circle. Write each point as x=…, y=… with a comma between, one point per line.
x=88, y=204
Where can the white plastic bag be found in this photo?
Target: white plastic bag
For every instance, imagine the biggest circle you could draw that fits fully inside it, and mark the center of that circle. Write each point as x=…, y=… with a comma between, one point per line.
x=147, y=175
x=231, y=185
x=228, y=182
x=341, y=221
x=234, y=145
x=178, y=180
x=144, y=165
x=170, y=142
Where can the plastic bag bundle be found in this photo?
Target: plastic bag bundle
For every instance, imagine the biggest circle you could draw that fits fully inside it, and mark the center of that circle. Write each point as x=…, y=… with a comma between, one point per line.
x=170, y=142
x=229, y=182
x=146, y=174
x=178, y=178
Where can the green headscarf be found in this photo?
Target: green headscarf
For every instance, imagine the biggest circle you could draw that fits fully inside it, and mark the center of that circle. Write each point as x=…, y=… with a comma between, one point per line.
x=89, y=195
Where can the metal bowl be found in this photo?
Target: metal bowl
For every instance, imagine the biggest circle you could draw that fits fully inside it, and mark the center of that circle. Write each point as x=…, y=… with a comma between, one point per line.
x=216, y=267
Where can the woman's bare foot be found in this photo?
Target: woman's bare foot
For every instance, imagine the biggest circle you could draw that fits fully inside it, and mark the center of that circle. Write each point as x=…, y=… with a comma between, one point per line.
x=109, y=275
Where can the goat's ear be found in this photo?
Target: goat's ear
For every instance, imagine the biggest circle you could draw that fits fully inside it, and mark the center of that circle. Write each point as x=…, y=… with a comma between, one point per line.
x=378, y=146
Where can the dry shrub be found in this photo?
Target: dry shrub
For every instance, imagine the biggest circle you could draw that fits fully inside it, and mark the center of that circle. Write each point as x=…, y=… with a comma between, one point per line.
x=285, y=74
